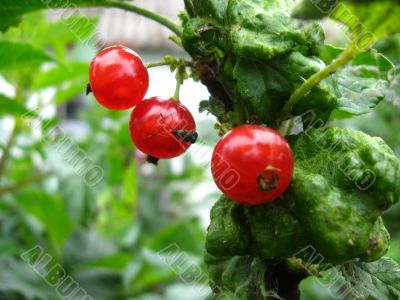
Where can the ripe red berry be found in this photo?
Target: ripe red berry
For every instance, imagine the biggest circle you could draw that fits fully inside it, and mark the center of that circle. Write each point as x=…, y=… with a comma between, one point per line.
x=118, y=78
x=252, y=164
x=162, y=128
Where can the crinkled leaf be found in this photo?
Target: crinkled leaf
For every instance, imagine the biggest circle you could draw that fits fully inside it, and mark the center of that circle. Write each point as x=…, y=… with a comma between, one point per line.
x=379, y=279
x=359, y=90
x=343, y=181
x=254, y=32
x=263, y=56
x=267, y=86
x=362, y=84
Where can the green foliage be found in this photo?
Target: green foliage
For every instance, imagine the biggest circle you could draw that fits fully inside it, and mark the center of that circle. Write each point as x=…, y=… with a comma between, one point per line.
x=16, y=55
x=106, y=237
x=260, y=66
x=380, y=279
x=262, y=56
x=343, y=181
x=379, y=18
x=11, y=11
x=12, y=107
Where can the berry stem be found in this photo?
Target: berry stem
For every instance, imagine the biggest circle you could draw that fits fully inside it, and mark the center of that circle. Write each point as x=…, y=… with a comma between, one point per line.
x=175, y=28
x=157, y=64
x=180, y=76
x=165, y=63
x=177, y=88
x=24, y=182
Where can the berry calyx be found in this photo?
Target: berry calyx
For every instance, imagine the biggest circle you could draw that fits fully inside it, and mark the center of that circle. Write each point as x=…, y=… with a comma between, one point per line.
x=118, y=78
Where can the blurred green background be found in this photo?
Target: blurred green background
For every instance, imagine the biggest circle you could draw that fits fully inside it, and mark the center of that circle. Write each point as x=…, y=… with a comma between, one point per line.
x=108, y=229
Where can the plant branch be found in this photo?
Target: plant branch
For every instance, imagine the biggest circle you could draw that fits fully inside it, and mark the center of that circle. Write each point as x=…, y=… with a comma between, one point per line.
x=29, y=180
x=146, y=13
x=7, y=148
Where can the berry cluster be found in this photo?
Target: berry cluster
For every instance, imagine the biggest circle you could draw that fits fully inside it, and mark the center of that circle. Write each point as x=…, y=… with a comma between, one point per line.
x=161, y=128
x=251, y=164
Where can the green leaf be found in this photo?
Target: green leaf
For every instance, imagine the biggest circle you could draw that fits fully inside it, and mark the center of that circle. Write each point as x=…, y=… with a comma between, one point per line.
x=186, y=234
x=360, y=90
x=67, y=30
x=11, y=11
x=87, y=246
x=267, y=85
x=379, y=279
x=18, y=277
x=61, y=74
x=329, y=53
x=117, y=262
x=343, y=181
x=70, y=90
x=10, y=106
x=362, y=84
x=17, y=55
x=261, y=59
x=239, y=277
x=49, y=210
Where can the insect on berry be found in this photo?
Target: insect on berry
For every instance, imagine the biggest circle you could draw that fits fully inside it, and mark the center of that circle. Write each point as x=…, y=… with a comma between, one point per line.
x=118, y=78
x=162, y=128
x=252, y=164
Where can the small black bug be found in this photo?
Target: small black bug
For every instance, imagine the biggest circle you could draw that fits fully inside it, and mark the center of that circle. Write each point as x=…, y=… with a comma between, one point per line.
x=186, y=135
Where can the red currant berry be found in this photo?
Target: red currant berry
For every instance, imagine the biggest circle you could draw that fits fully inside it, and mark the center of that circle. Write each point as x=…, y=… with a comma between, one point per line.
x=162, y=128
x=252, y=164
x=118, y=78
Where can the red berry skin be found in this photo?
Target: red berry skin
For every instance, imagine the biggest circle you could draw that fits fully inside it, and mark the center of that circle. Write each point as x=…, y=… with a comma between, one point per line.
x=152, y=126
x=118, y=78
x=252, y=164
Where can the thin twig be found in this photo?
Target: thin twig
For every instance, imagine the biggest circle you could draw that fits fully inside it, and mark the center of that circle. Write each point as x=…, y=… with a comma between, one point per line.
x=19, y=184
x=146, y=13
x=7, y=148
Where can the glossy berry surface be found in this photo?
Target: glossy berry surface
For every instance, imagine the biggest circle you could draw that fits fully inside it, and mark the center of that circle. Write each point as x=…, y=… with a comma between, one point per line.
x=118, y=78
x=252, y=164
x=162, y=128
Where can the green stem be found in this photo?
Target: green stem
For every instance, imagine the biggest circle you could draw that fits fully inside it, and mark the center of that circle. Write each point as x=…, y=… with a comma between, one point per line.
x=180, y=77
x=165, y=63
x=301, y=92
x=146, y=13
x=177, y=88
x=157, y=64
x=7, y=148
x=16, y=186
